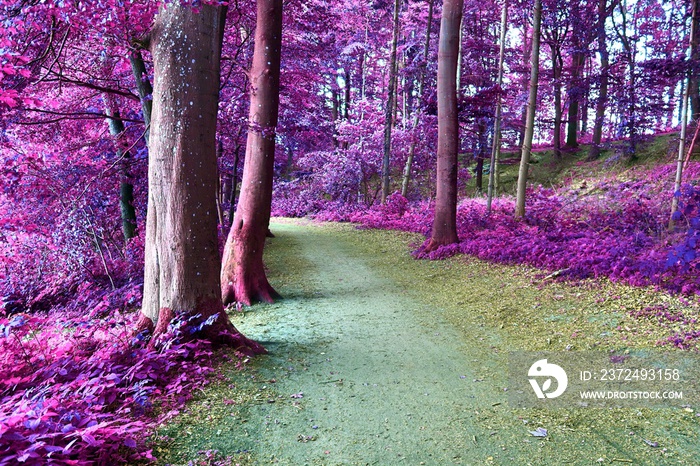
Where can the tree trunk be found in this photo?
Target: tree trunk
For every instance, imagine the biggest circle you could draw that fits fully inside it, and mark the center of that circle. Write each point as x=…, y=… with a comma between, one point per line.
x=575, y=93
x=557, y=65
x=346, y=103
x=531, y=109
x=388, y=120
x=496, y=146
x=685, y=101
x=681, y=156
x=126, y=188
x=480, y=154
x=243, y=274
x=234, y=183
x=334, y=112
x=527, y=58
x=445, y=220
x=144, y=88
x=602, y=101
x=421, y=82
x=694, y=81
x=182, y=260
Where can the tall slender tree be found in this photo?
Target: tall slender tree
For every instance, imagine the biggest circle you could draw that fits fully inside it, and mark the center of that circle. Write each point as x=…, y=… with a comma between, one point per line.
x=416, y=112
x=445, y=219
x=243, y=276
x=182, y=259
x=390, y=102
x=694, y=76
x=496, y=143
x=531, y=110
x=601, y=102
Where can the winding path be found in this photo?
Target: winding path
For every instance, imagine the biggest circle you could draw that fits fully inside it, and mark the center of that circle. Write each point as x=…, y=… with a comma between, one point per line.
x=384, y=379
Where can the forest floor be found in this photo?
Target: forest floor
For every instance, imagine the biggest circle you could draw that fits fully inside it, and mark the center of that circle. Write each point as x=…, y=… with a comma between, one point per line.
x=376, y=358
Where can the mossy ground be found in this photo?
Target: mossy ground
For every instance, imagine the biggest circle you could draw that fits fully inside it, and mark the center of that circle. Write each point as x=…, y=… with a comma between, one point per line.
x=549, y=171
x=492, y=309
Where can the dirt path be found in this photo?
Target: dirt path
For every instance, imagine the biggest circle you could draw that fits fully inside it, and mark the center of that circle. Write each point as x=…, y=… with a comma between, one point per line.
x=380, y=383
x=368, y=365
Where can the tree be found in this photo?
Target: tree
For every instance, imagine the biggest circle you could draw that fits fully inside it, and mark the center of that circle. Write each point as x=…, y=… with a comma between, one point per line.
x=531, y=110
x=694, y=81
x=182, y=257
x=496, y=143
x=126, y=187
x=243, y=276
x=601, y=102
x=445, y=219
x=389, y=111
x=421, y=83
x=554, y=34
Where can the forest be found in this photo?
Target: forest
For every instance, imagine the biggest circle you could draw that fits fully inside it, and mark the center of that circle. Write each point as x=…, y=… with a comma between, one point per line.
x=212, y=213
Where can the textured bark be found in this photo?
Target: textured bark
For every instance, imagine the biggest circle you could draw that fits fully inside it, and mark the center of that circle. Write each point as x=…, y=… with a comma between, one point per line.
x=388, y=114
x=602, y=101
x=243, y=274
x=445, y=220
x=531, y=109
x=182, y=258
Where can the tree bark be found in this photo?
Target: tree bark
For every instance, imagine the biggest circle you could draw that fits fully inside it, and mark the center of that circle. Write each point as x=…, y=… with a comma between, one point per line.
x=388, y=114
x=531, y=109
x=182, y=260
x=445, y=219
x=243, y=276
x=602, y=101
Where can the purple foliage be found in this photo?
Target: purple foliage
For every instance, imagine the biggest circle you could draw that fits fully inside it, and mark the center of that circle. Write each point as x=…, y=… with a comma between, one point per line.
x=78, y=389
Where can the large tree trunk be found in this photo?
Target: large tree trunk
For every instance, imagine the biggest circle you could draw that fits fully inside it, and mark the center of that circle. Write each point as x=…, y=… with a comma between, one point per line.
x=531, y=109
x=182, y=257
x=389, y=111
x=243, y=274
x=602, y=101
x=445, y=220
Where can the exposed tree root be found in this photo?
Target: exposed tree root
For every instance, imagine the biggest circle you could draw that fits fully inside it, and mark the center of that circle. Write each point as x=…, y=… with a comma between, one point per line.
x=221, y=333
